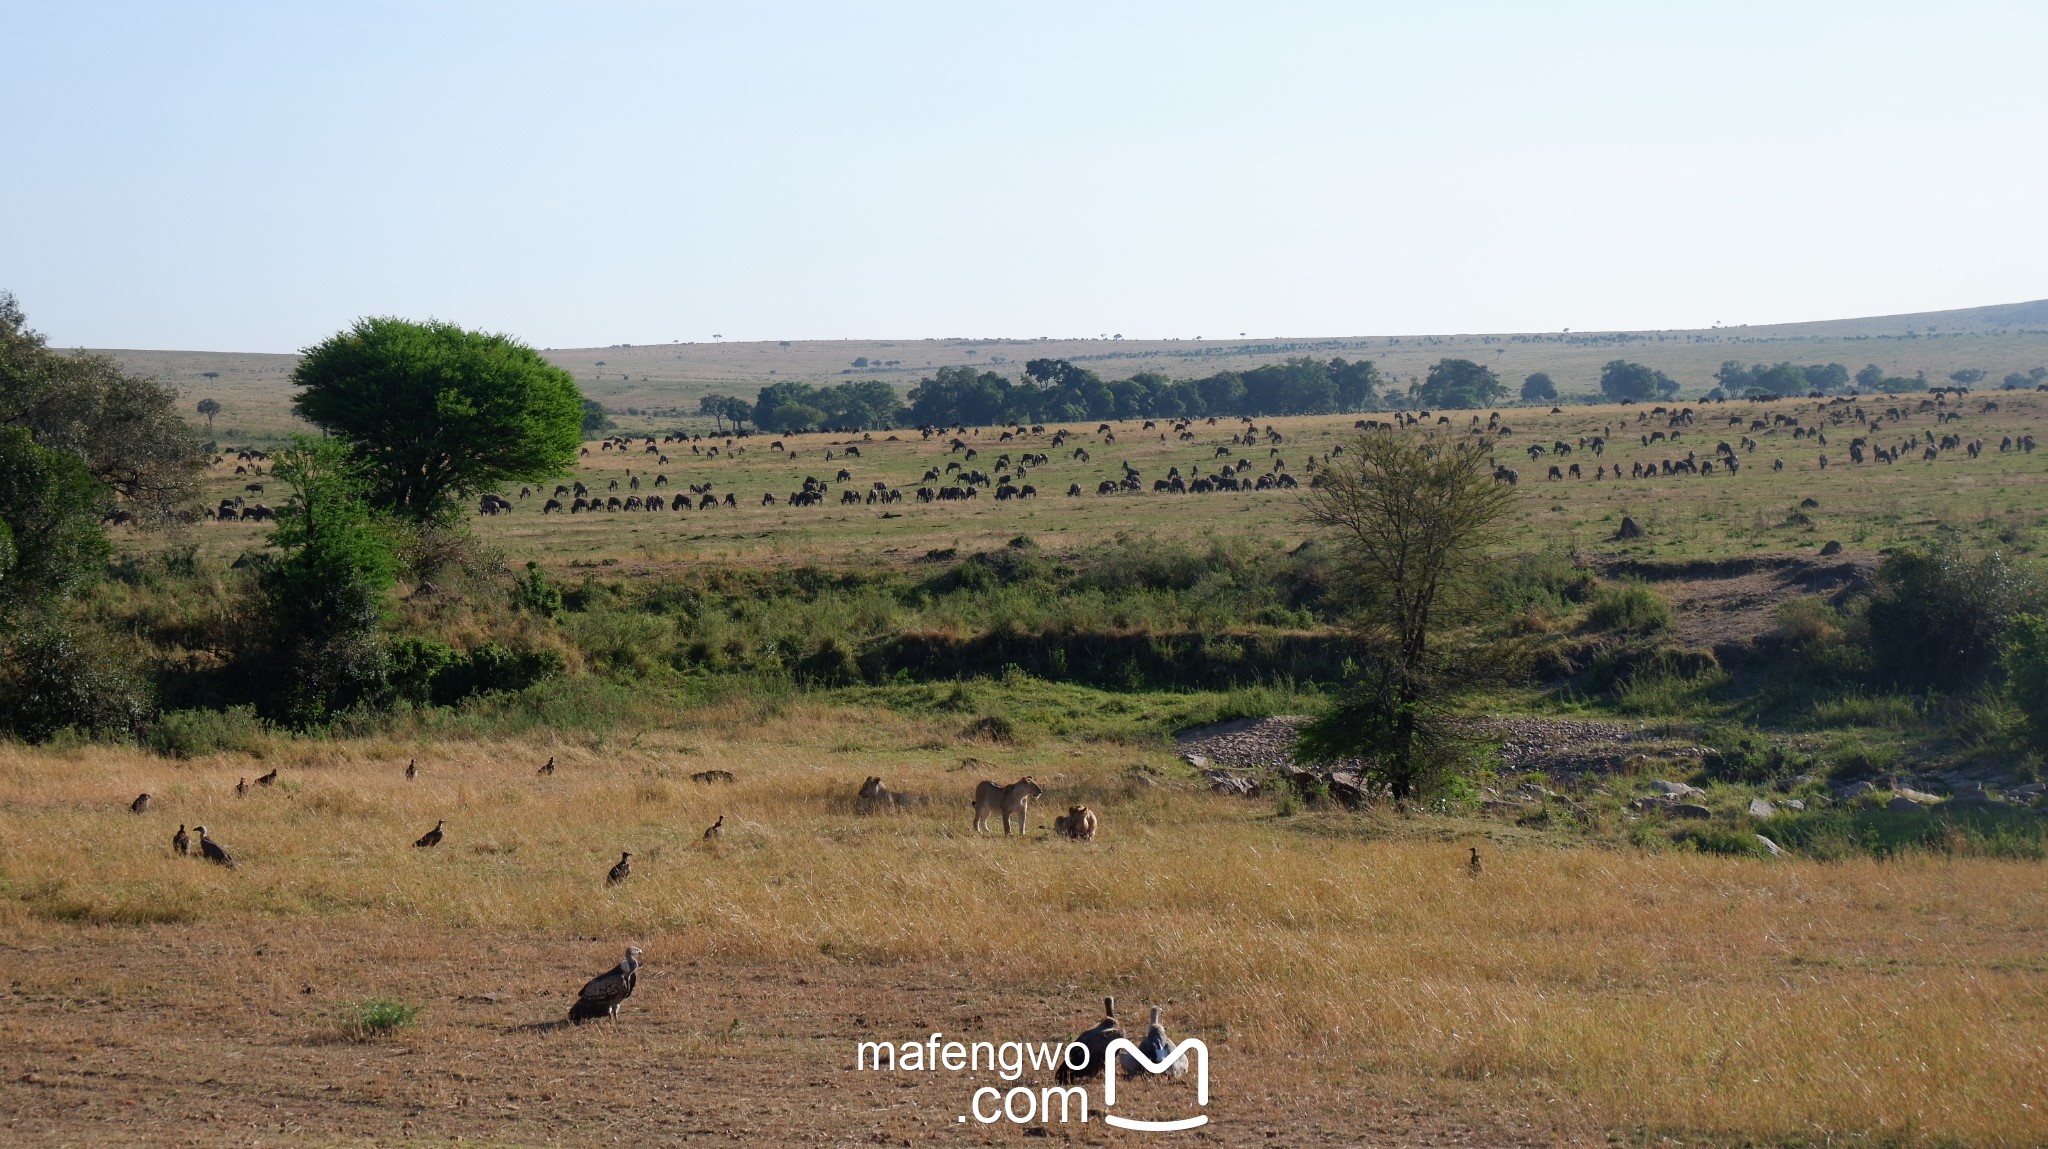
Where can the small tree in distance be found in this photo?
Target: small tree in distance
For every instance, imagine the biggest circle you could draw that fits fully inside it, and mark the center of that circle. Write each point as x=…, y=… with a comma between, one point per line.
x=716, y=407
x=208, y=408
x=1538, y=388
x=1412, y=524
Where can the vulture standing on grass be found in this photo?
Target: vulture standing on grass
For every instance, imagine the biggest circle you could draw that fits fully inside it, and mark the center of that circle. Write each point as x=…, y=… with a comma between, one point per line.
x=1157, y=1046
x=622, y=871
x=716, y=831
x=212, y=851
x=267, y=779
x=603, y=994
x=1476, y=866
x=140, y=804
x=241, y=787
x=431, y=837
x=1094, y=1042
x=181, y=842
x=548, y=769
x=412, y=769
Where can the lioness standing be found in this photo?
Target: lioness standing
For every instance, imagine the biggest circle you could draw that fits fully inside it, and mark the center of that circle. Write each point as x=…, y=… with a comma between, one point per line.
x=1012, y=799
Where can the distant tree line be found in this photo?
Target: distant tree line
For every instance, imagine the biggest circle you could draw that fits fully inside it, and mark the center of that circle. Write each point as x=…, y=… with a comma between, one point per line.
x=1055, y=390
x=1059, y=391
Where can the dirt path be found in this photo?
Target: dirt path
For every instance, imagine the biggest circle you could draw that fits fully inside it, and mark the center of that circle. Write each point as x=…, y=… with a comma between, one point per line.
x=216, y=1036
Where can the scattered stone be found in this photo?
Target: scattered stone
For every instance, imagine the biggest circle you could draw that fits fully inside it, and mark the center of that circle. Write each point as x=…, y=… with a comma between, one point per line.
x=1233, y=785
x=1920, y=796
x=1677, y=789
x=1758, y=808
x=1830, y=549
x=1690, y=810
x=1794, y=804
x=1776, y=850
x=1902, y=803
x=1196, y=760
x=1853, y=791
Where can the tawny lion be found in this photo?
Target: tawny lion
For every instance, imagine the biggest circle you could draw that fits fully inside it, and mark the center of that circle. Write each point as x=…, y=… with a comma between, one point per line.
x=1012, y=799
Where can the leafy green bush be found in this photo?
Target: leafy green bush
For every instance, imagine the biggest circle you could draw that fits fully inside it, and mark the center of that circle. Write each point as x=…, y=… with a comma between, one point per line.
x=535, y=594
x=1728, y=841
x=1741, y=758
x=2026, y=675
x=828, y=664
x=323, y=597
x=492, y=668
x=377, y=1016
x=414, y=662
x=1631, y=608
x=193, y=733
x=57, y=676
x=1938, y=617
x=1841, y=832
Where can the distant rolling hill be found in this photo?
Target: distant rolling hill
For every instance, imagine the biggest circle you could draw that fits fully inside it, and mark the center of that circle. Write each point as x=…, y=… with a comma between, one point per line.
x=655, y=379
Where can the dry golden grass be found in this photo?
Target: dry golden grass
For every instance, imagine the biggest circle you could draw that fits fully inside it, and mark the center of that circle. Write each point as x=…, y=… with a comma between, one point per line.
x=1667, y=993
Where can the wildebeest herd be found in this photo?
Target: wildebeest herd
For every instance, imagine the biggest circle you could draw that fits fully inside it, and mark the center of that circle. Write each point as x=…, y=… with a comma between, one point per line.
x=1865, y=429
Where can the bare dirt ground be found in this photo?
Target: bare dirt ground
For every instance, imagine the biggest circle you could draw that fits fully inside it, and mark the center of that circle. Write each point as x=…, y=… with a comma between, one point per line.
x=222, y=1035
x=1726, y=604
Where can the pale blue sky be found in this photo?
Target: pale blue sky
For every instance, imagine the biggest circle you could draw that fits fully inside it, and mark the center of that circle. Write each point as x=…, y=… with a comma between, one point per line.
x=254, y=176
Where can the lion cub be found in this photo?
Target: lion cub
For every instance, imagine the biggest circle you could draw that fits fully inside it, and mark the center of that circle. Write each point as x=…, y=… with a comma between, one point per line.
x=1077, y=823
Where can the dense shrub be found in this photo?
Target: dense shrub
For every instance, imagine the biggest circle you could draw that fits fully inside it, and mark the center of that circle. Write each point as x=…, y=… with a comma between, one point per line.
x=1631, y=608
x=2026, y=675
x=1938, y=617
x=57, y=676
x=492, y=668
x=1741, y=758
x=194, y=733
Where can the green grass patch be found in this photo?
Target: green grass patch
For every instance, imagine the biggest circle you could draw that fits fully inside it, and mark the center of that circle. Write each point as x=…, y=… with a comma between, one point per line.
x=374, y=1017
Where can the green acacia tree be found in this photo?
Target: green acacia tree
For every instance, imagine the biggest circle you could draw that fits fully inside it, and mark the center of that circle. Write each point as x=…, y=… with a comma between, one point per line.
x=125, y=429
x=437, y=413
x=1411, y=523
x=1460, y=383
x=324, y=594
x=50, y=536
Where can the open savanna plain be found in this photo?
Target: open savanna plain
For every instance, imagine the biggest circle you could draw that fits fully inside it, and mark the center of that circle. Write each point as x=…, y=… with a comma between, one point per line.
x=1354, y=981
x=1999, y=496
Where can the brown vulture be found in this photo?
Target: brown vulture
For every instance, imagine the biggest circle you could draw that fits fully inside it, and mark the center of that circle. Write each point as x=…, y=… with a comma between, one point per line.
x=431, y=837
x=716, y=831
x=1094, y=1044
x=412, y=769
x=622, y=871
x=140, y=804
x=212, y=851
x=267, y=779
x=603, y=994
x=181, y=842
x=548, y=769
